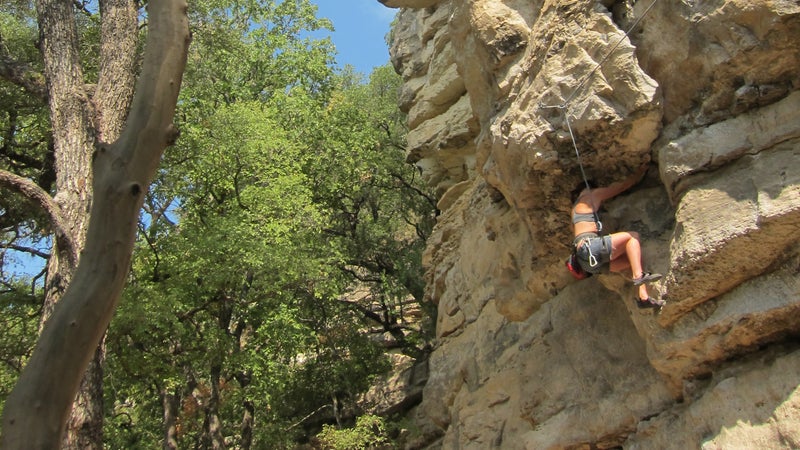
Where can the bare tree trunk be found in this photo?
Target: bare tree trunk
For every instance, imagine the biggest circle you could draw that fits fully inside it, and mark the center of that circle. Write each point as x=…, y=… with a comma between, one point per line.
x=74, y=132
x=170, y=402
x=73, y=136
x=37, y=409
x=111, y=100
x=73, y=139
x=214, y=425
x=119, y=37
x=337, y=413
x=85, y=424
x=248, y=421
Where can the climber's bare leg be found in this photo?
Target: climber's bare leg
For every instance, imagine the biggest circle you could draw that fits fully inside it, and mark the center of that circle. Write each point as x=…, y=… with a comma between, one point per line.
x=626, y=243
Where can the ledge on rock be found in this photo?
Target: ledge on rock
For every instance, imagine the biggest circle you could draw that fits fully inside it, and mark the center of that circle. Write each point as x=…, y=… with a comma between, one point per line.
x=760, y=311
x=732, y=227
x=709, y=148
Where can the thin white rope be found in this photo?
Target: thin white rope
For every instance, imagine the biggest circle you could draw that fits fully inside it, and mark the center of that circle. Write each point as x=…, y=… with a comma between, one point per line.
x=563, y=106
x=577, y=153
x=602, y=61
x=585, y=179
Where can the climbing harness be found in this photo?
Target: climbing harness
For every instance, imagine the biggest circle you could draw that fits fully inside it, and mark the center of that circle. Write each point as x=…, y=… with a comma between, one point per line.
x=594, y=248
x=574, y=267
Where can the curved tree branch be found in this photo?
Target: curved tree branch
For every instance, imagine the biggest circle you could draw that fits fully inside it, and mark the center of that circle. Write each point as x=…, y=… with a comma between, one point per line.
x=416, y=190
x=37, y=197
x=29, y=250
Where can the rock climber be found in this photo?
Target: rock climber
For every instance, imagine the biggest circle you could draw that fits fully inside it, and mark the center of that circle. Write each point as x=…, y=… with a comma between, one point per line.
x=621, y=250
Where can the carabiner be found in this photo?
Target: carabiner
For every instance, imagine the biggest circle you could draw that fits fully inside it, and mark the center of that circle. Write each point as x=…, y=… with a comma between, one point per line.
x=592, y=260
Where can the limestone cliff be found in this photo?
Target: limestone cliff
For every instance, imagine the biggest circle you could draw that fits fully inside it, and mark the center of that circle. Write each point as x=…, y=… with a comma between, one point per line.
x=705, y=92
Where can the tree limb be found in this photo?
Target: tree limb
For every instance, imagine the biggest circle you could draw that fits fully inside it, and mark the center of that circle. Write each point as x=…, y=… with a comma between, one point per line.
x=37, y=197
x=327, y=405
x=419, y=192
x=32, y=251
x=391, y=327
x=81, y=6
x=22, y=75
x=9, y=145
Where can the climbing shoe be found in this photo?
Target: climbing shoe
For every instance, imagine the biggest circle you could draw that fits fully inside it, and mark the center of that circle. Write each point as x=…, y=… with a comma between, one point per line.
x=646, y=278
x=649, y=303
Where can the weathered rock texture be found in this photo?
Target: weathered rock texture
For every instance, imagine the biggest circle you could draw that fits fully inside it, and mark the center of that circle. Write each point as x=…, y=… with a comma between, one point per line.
x=707, y=94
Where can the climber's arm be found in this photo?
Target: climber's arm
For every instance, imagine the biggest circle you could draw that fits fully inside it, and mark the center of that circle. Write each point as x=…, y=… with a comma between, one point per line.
x=604, y=193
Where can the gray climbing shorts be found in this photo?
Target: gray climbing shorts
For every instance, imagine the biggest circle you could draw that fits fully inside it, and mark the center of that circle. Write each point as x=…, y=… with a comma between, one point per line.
x=593, y=251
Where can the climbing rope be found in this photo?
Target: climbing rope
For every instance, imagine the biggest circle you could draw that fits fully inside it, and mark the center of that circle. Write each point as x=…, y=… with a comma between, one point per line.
x=575, y=145
x=563, y=106
x=583, y=173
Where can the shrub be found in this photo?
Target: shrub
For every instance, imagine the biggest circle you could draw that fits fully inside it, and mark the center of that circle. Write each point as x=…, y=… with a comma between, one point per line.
x=369, y=432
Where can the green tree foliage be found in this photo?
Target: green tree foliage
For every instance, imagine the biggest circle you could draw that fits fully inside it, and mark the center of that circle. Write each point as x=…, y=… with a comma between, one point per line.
x=24, y=137
x=24, y=151
x=253, y=50
x=244, y=291
x=380, y=215
x=19, y=323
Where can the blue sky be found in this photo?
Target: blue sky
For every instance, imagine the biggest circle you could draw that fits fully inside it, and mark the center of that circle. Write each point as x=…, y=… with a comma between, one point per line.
x=360, y=30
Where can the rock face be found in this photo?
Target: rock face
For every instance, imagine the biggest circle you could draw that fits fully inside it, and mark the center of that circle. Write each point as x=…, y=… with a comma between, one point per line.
x=706, y=93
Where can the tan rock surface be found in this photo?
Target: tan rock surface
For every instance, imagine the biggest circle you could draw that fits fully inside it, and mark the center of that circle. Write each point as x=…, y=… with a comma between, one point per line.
x=707, y=93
